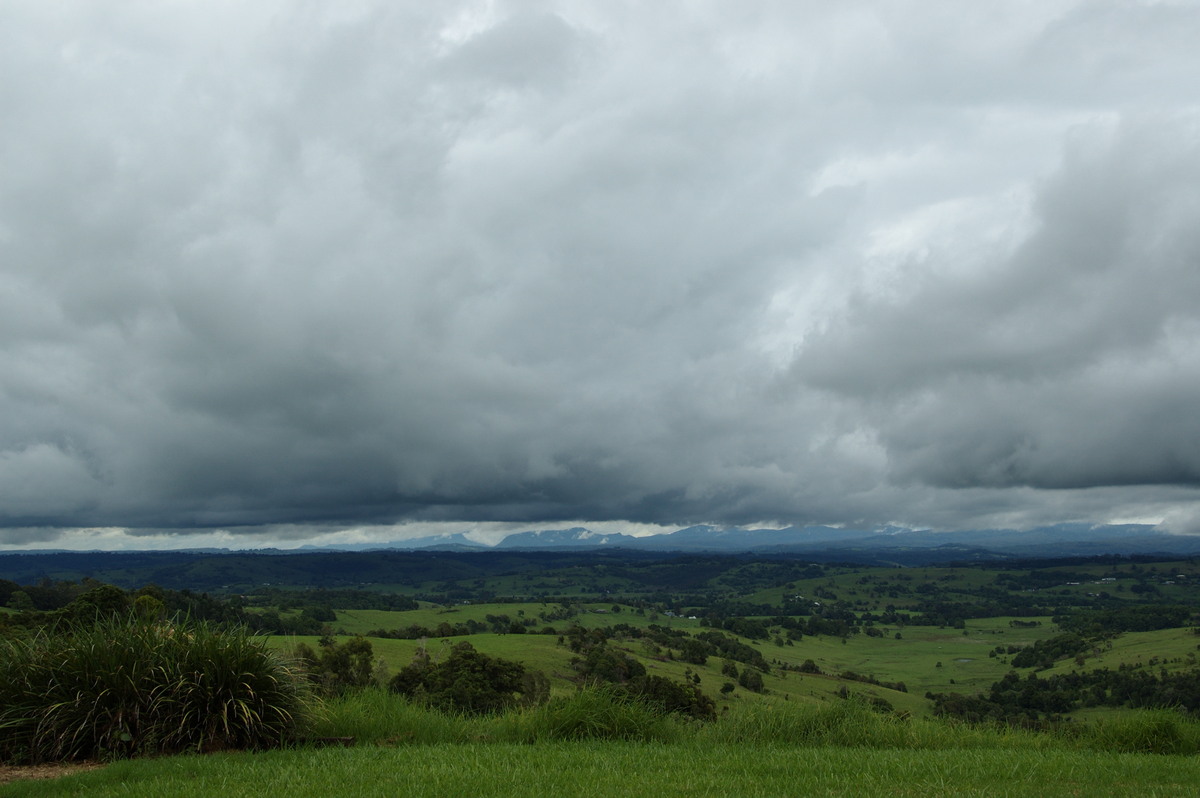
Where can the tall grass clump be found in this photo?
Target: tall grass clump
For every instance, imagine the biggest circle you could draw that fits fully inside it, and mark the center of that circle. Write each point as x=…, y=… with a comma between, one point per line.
x=376, y=715
x=856, y=724
x=1157, y=731
x=593, y=713
x=126, y=687
x=843, y=723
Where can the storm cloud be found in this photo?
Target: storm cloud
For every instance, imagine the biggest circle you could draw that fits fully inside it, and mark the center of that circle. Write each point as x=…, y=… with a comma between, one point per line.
x=287, y=266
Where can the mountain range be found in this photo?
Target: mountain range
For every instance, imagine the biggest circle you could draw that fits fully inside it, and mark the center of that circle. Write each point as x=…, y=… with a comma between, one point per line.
x=1059, y=540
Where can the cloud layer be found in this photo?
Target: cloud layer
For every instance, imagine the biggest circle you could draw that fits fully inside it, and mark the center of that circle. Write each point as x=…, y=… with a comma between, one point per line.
x=285, y=264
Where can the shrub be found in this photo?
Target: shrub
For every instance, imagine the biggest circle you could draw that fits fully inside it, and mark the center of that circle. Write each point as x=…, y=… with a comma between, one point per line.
x=468, y=681
x=338, y=666
x=604, y=664
x=121, y=687
x=665, y=695
x=751, y=680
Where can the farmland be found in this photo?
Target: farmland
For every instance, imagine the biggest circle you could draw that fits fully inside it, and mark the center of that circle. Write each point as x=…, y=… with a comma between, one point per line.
x=1047, y=659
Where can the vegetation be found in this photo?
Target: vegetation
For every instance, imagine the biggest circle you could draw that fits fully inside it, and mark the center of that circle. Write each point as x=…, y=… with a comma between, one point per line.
x=126, y=687
x=471, y=682
x=337, y=667
x=741, y=658
x=592, y=746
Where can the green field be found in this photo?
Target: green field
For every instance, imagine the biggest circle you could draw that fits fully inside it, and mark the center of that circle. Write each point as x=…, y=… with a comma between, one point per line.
x=844, y=748
x=924, y=658
x=593, y=770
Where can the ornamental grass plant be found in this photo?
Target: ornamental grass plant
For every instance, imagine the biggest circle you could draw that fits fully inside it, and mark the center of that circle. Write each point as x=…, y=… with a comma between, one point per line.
x=127, y=687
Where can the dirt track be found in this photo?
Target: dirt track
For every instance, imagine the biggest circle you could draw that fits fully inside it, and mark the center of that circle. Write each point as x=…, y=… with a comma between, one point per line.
x=53, y=771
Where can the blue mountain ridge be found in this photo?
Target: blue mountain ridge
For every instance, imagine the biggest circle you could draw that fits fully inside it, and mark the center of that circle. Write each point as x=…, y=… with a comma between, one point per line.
x=1054, y=540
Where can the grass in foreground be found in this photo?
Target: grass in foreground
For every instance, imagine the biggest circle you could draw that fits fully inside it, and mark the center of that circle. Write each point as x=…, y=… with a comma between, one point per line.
x=595, y=769
x=592, y=745
x=379, y=717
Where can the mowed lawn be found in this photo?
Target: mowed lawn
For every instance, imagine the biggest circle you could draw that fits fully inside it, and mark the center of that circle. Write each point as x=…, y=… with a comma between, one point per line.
x=598, y=769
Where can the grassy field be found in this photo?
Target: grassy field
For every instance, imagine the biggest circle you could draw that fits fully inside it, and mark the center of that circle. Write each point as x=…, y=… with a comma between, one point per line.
x=430, y=615
x=925, y=658
x=842, y=749
x=798, y=739
x=1169, y=649
x=596, y=769
x=545, y=654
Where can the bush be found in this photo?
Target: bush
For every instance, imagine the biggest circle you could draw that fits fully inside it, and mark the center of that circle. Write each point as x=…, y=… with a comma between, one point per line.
x=338, y=667
x=121, y=688
x=751, y=680
x=469, y=681
x=665, y=695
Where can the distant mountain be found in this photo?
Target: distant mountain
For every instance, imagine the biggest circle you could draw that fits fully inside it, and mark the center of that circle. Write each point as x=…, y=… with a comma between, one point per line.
x=711, y=538
x=452, y=558
x=885, y=544
x=457, y=541
x=577, y=537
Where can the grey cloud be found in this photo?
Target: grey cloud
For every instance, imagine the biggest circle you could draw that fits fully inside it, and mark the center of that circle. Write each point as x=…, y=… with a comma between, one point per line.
x=295, y=268
x=1109, y=267
x=1066, y=365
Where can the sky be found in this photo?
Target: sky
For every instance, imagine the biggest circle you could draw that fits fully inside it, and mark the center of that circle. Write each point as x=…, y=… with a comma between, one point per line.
x=277, y=273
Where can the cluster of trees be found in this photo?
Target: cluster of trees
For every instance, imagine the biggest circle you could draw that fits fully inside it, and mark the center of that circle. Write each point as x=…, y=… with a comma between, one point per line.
x=671, y=643
x=729, y=648
x=852, y=676
x=1044, y=653
x=1017, y=699
x=1127, y=618
x=602, y=664
x=753, y=628
x=470, y=681
x=498, y=624
x=50, y=603
x=331, y=599
x=416, y=631
x=337, y=667
x=749, y=678
x=833, y=621
x=90, y=603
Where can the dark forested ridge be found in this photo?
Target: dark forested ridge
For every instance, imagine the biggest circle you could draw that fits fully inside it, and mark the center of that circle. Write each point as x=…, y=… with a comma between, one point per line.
x=531, y=573
x=242, y=571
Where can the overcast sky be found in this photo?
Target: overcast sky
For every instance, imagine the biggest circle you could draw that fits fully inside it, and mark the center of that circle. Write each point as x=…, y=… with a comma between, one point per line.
x=276, y=272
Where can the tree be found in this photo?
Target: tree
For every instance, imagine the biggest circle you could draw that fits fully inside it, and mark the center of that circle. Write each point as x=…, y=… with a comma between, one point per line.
x=668, y=696
x=469, y=681
x=20, y=600
x=604, y=664
x=694, y=651
x=338, y=667
x=149, y=609
x=751, y=680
